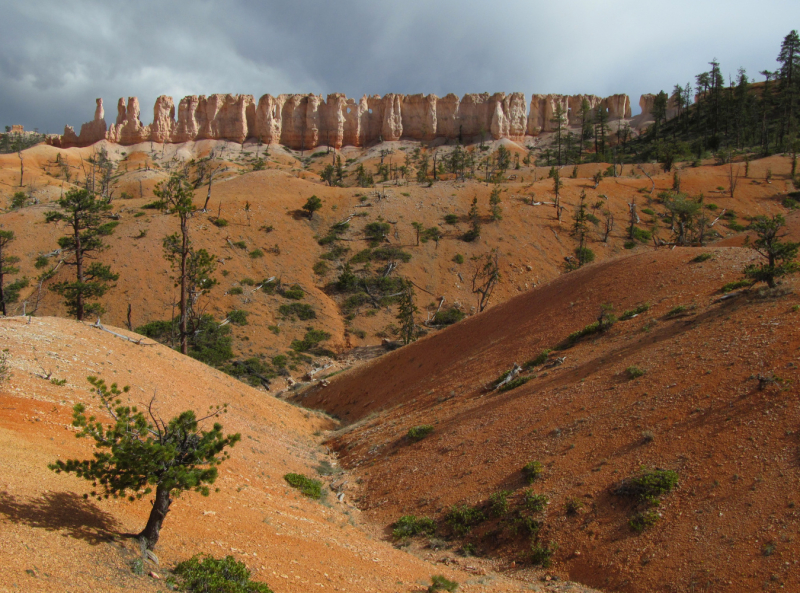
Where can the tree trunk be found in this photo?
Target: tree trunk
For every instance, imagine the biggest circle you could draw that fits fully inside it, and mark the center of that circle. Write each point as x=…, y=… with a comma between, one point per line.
x=184, y=273
x=79, y=272
x=157, y=515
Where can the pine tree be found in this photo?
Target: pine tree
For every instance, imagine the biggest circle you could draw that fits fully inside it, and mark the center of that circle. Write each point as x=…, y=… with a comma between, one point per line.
x=82, y=214
x=494, y=204
x=789, y=58
x=405, y=315
x=780, y=255
x=133, y=455
x=580, y=229
x=9, y=293
x=558, y=119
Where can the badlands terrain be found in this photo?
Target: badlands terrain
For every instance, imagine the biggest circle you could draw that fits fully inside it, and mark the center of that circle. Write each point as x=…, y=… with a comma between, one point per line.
x=716, y=400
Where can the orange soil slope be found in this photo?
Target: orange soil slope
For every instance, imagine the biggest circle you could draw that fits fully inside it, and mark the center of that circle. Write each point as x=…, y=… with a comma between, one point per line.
x=54, y=540
x=531, y=243
x=731, y=525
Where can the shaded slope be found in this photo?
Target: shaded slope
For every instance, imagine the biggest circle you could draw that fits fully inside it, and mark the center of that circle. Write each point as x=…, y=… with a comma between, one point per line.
x=698, y=410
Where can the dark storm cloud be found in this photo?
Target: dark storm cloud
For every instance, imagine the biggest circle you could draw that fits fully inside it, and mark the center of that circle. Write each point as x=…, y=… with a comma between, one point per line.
x=56, y=57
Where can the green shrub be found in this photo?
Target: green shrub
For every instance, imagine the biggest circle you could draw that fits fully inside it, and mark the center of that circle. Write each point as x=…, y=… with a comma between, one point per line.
x=389, y=253
x=641, y=521
x=535, y=503
x=376, y=232
x=572, y=506
x=269, y=286
x=731, y=286
x=220, y=222
x=279, y=361
x=676, y=311
x=736, y=227
x=209, y=575
x=634, y=372
x=251, y=370
x=294, y=292
x=302, y=311
x=448, y=316
x=458, y=258
x=409, y=526
x=584, y=255
x=236, y=290
x=41, y=262
x=528, y=525
x=542, y=555
x=320, y=268
x=238, y=317
x=532, y=471
x=791, y=203
x=629, y=244
x=152, y=205
x=240, y=244
x=641, y=235
x=417, y=433
x=649, y=485
x=440, y=583
x=307, y=486
x=703, y=257
x=256, y=253
x=470, y=235
x=498, y=503
x=638, y=310
x=648, y=211
x=463, y=518
x=247, y=282
x=451, y=218
x=312, y=338
x=514, y=383
x=539, y=360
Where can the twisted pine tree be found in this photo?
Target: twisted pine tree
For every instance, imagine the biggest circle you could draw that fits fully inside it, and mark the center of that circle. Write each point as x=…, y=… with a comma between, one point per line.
x=780, y=255
x=135, y=455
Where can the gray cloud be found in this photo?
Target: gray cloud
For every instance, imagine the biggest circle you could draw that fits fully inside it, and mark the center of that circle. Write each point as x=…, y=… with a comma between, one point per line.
x=56, y=57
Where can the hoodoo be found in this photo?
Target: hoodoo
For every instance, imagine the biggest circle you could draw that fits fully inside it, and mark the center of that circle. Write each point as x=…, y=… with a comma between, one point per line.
x=307, y=121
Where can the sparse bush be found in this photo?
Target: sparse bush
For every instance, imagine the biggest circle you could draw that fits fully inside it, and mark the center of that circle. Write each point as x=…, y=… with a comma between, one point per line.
x=40, y=262
x=307, y=486
x=409, y=526
x=535, y=503
x=642, y=520
x=539, y=360
x=458, y=258
x=451, y=218
x=542, y=555
x=448, y=316
x=238, y=317
x=634, y=372
x=648, y=436
x=236, y=290
x=302, y=311
x=247, y=282
x=207, y=574
x=674, y=312
x=572, y=506
x=641, y=235
x=703, y=257
x=649, y=485
x=498, y=503
x=294, y=293
x=256, y=253
x=220, y=222
x=463, y=518
x=240, y=244
x=731, y=286
x=638, y=310
x=312, y=338
x=440, y=583
x=514, y=383
x=417, y=433
x=532, y=471
x=629, y=244
x=320, y=268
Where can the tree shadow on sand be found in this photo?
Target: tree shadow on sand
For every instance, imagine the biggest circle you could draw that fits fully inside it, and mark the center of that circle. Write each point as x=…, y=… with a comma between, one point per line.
x=65, y=512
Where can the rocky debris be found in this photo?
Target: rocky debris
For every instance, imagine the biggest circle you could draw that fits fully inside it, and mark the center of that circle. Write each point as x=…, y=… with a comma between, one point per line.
x=305, y=121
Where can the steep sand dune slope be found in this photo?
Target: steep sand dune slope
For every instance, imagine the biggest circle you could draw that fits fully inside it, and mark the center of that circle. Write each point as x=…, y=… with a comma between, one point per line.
x=54, y=540
x=699, y=409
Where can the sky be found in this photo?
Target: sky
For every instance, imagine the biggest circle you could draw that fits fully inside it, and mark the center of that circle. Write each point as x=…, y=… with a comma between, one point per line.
x=56, y=57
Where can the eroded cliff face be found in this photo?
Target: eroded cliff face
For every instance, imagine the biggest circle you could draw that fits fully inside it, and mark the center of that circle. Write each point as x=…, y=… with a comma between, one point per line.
x=307, y=121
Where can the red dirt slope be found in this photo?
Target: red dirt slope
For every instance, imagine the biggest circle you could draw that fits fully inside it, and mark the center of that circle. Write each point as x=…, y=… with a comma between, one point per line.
x=732, y=523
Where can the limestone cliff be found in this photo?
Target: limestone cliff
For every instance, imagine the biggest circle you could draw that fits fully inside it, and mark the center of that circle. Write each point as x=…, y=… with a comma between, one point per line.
x=307, y=121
